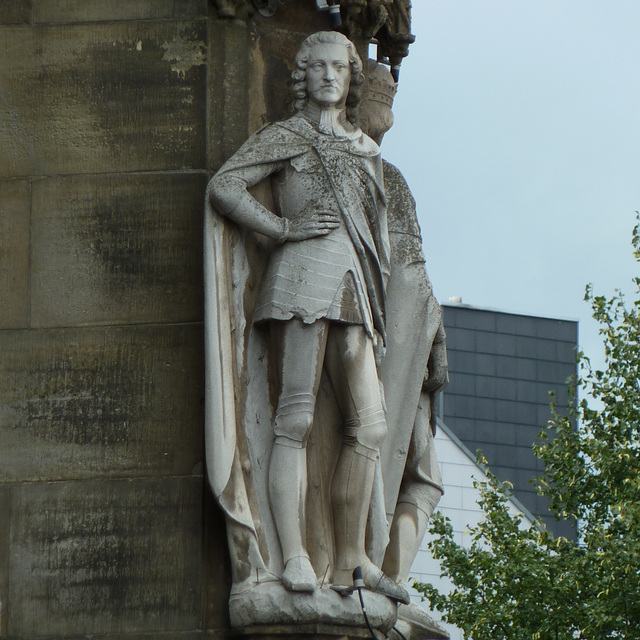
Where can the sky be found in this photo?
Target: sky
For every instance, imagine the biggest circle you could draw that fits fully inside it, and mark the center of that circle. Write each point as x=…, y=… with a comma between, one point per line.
x=517, y=127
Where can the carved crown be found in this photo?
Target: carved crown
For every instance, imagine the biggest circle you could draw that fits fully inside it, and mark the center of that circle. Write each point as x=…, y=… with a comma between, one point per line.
x=379, y=85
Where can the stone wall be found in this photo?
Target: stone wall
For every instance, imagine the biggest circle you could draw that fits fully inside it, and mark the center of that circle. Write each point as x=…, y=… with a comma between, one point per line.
x=112, y=117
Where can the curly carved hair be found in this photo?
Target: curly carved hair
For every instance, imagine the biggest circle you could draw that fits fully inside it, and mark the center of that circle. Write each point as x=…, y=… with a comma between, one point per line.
x=299, y=74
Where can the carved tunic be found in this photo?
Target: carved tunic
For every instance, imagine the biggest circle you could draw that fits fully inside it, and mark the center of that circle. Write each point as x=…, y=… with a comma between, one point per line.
x=320, y=277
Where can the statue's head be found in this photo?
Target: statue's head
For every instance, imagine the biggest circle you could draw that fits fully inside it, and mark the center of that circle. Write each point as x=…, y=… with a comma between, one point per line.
x=328, y=72
x=374, y=115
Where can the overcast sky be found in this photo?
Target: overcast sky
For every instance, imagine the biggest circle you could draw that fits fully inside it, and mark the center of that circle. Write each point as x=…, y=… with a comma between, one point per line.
x=518, y=131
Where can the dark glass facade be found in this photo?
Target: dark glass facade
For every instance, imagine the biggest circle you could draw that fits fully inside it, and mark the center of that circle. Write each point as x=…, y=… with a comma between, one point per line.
x=503, y=367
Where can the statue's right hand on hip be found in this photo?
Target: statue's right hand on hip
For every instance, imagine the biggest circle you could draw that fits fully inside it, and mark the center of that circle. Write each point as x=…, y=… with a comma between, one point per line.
x=319, y=223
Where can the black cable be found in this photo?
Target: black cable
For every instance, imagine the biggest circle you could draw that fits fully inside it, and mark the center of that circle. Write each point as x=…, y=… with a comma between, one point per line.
x=400, y=633
x=366, y=617
x=358, y=584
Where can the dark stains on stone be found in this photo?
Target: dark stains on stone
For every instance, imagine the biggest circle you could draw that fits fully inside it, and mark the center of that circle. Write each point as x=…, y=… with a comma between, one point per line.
x=84, y=405
x=144, y=239
x=118, y=248
x=277, y=87
x=96, y=401
x=16, y=11
x=119, y=553
x=142, y=95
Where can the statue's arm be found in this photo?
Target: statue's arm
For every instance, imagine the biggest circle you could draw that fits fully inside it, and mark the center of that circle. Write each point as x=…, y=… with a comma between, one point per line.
x=229, y=194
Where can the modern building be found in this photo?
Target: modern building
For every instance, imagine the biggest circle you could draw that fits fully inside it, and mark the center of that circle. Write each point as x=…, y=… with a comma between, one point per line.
x=459, y=504
x=505, y=369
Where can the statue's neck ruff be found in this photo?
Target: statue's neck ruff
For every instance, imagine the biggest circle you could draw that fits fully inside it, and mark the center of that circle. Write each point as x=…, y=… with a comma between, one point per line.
x=330, y=120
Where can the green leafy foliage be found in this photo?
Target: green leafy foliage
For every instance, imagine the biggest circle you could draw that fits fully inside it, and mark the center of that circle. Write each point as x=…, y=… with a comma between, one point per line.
x=519, y=582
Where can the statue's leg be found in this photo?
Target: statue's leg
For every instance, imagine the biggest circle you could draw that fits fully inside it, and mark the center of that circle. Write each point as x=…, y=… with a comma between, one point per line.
x=407, y=531
x=301, y=358
x=351, y=364
x=420, y=493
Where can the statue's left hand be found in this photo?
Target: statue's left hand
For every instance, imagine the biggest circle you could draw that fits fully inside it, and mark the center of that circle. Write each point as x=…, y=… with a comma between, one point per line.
x=379, y=348
x=437, y=376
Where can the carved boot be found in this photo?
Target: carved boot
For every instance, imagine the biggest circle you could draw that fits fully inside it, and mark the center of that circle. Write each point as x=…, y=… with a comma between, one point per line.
x=287, y=490
x=351, y=494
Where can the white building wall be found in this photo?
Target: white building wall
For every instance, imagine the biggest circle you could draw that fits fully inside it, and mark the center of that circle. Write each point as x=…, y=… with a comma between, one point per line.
x=460, y=505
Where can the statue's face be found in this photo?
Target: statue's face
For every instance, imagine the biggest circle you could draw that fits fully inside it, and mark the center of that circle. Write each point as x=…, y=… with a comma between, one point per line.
x=328, y=74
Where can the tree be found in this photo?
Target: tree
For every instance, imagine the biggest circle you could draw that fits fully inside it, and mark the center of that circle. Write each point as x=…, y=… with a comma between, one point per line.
x=522, y=582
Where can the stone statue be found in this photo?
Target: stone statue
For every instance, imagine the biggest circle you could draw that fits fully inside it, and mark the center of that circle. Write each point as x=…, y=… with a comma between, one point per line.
x=298, y=261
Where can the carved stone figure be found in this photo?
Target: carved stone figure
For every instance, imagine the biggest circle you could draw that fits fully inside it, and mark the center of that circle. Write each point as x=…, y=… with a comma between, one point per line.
x=298, y=267
x=323, y=295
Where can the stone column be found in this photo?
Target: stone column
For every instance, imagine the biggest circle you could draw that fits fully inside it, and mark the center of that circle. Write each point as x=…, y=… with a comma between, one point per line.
x=103, y=162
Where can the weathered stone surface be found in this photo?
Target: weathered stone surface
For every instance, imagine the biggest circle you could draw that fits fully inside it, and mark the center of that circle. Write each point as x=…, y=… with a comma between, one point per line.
x=5, y=510
x=105, y=556
x=270, y=603
x=271, y=94
x=228, y=90
x=122, y=249
x=102, y=97
x=100, y=402
x=248, y=91
x=15, y=11
x=15, y=201
x=61, y=11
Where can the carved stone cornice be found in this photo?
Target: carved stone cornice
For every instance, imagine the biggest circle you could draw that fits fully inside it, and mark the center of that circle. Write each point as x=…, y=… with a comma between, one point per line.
x=386, y=22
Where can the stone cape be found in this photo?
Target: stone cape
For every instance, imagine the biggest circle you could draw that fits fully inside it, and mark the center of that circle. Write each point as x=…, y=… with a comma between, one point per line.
x=240, y=395
x=413, y=319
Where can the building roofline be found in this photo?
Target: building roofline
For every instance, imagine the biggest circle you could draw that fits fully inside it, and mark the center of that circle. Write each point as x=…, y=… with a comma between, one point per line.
x=471, y=456
x=460, y=305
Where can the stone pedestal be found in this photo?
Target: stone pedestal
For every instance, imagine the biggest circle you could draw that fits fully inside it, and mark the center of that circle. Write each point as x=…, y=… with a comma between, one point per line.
x=300, y=632
x=269, y=604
